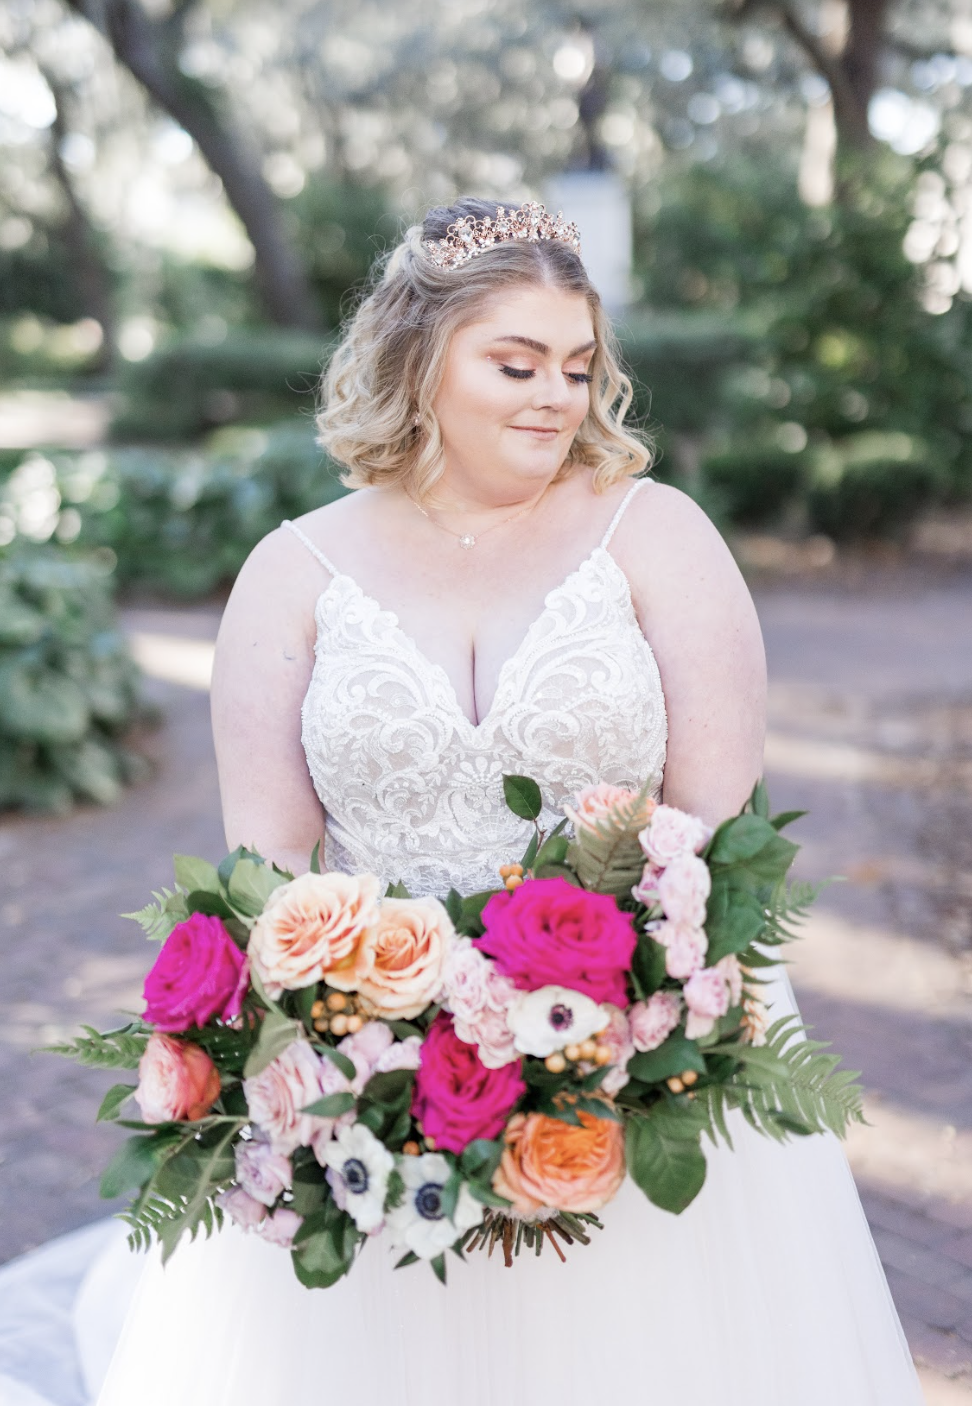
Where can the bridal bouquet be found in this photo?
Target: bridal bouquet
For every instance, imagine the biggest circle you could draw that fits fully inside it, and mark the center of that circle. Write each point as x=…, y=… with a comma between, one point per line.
x=326, y=1063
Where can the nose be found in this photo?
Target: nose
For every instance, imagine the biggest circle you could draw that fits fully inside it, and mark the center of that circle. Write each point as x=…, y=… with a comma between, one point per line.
x=552, y=391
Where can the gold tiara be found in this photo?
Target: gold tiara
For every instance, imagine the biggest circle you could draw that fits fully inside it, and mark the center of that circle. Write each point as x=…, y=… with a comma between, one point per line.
x=469, y=237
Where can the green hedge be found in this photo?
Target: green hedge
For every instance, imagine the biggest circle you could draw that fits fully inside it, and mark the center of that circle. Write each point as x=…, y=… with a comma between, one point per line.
x=177, y=522
x=68, y=686
x=189, y=386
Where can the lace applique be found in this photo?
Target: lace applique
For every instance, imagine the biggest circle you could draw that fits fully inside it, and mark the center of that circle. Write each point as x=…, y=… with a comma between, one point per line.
x=413, y=791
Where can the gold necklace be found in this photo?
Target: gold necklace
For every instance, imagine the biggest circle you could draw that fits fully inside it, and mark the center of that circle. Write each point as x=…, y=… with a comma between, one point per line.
x=467, y=540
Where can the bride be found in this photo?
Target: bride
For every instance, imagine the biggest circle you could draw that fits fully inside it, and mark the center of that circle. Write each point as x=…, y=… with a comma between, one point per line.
x=505, y=593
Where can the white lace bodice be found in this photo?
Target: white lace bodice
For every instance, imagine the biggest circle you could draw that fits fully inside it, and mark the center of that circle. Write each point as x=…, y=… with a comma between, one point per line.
x=412, y=790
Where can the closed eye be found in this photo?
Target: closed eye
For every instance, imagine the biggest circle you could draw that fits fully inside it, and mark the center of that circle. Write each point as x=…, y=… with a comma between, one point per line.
x=519, y=374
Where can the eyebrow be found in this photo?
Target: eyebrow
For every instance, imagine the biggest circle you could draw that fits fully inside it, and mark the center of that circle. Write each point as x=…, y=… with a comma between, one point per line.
x=542, y=347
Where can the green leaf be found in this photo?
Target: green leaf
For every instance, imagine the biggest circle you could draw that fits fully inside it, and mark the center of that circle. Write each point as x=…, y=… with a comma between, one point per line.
x=439, y=1267
x=214, y=905
x=665, y=1158
x=410, y=1257
x=453, y=906
x=734, y=917
x=133, y=1164
x=276, y=1033
x=336, y=1057
x=522, y=795
x=390, y=1087
x=480, y=1158
x=471, y=922
x=759, y=801
x=530, y=853
x=398, y=890
x=786, y=817
x=194, y=874
x=315, y=859
x=773, y=861
x=161, y=916
x=330, y=1106
x=324, y=1247
x=739, y=839
x=113, y=1100
x=675, y=1055
x=251, y=884
x=648, y=965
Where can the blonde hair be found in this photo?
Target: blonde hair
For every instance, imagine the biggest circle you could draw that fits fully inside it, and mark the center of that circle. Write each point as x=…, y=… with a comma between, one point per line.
x=387, y=369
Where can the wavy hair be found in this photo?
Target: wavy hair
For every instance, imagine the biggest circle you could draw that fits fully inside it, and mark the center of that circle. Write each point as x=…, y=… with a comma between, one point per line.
x=389, y=364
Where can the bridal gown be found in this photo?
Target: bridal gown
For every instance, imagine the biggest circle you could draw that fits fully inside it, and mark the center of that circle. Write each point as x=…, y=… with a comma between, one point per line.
x=767, y=1291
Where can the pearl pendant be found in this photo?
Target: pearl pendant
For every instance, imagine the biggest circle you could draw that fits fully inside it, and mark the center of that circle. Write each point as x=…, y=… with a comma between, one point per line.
x=467, y=540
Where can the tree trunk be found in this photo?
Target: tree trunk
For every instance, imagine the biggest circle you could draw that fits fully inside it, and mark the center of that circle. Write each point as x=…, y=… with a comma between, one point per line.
x=860, y=63
x=145, y=46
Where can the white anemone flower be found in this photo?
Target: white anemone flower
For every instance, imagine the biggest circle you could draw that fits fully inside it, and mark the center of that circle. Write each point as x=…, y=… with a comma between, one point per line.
x=548, y=1019
x=359, y=1169
x=419, y=1224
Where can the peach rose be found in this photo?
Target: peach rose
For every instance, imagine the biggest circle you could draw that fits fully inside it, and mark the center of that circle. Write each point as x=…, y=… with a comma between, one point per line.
x=177, y=1081
x=399, y=964
x=310, y=928
x=550, y=1163
x=598, y=803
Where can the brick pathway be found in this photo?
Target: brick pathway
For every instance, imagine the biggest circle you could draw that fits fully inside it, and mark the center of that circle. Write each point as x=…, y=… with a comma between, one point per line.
x=871, y=730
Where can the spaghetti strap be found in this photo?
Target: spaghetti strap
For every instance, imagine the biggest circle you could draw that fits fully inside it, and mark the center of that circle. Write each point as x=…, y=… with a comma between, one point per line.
x=316, y=551
x=621, y=510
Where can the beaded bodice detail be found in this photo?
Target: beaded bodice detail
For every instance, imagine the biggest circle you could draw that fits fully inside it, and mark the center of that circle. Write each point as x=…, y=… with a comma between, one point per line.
x=412, y=789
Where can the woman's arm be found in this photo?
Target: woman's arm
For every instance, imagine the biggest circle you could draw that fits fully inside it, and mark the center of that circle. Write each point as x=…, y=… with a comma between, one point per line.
x=264, y=660
x=699, y=618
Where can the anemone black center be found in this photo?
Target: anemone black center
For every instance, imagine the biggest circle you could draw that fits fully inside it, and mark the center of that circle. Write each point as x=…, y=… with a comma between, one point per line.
x=355, y=1175
x=428, y=1201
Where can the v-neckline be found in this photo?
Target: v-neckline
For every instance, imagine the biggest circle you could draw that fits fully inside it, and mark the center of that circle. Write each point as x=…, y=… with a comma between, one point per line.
x=439, y=671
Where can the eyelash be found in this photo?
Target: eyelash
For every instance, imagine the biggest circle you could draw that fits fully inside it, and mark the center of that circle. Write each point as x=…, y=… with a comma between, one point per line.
x=518, y=374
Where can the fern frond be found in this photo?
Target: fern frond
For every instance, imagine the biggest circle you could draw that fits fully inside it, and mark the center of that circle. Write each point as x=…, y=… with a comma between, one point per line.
x=180, y=1196
x=158, y=918
x=113, y=1049
x=790, y=1085
x=166, y=1221
x=606, y=856
x=788, y=908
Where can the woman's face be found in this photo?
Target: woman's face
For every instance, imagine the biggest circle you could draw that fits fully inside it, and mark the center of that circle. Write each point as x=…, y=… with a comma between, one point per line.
x=514, y=392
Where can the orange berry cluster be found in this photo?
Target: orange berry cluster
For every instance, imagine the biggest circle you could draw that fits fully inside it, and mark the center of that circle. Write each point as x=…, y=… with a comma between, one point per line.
x=589, y=1050
x=512, y=876
x=336, y=1014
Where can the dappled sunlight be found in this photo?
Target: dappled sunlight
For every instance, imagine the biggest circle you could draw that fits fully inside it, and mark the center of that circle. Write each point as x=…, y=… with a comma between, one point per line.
x=174, y=658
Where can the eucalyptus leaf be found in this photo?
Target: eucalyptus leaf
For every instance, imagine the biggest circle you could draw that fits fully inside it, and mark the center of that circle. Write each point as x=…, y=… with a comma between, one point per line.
x=251, y=884
x=113, y=1100
x=277, y=1032
x=195, y=874
x=330, y=1106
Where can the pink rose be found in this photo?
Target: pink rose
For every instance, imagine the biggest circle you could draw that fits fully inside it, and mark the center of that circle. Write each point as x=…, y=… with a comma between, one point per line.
x=646, y=890
x=199, y=973
x=364, y=1049
x=276, y=1095
x=397, y=970
x=686, y=948
x=617, y=1037
x=480, y=998
x=683, y=888
x=549, y=933
x=261, y=1172
x=177, y=1081
x=652, y=1021
x=311, y=928
x=707, y=997
x=403, y=1054
x=671, y=832
x=457, y=1099
x=597, y=804
x=241, y=1207
x=281, y=1227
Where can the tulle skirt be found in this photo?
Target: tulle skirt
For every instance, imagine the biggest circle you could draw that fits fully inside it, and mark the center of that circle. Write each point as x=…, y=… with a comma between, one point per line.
x=767, y=1291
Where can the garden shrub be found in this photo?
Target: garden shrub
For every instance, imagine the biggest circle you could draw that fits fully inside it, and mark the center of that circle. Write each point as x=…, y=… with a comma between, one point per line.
x=755, y=484
x=191, y=385
x=873, y=485
x=180, y=523
x=68, y=686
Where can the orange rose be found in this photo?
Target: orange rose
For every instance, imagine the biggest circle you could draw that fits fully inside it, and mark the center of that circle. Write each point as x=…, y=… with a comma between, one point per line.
x=398, y=968
x=311, y=926
x=550, y=1163
x=177, y=1081
x=599, y=804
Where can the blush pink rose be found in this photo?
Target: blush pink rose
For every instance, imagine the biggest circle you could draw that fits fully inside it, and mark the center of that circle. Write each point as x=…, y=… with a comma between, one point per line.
x=397, y=970
x=597, y=804
x=683, y=887
x=707, y=997
x=177, y=1081
x=652, y=1021
x=549, y=933
x=480, y=997
x=403, y=1054
x=281, y=1227
x=685, y=948
x=374, y=1050
x=457, y=1099
x=261, y=1172
x=241, y=1207
x=672, y=832
x=311, y=928
x=199, y=974
x=276, y=1096
x=646, y=889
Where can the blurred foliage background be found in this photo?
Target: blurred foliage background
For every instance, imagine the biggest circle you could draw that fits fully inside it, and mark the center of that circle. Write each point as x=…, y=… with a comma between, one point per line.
x=192, y=191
